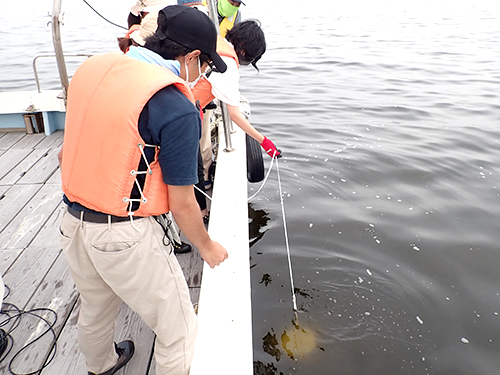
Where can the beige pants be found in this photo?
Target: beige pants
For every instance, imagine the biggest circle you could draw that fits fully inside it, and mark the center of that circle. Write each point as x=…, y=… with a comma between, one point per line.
x=206, y=143
x=115, y=263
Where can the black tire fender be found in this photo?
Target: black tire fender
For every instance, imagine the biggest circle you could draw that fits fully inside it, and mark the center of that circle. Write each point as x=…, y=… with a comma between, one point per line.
x=255, y=162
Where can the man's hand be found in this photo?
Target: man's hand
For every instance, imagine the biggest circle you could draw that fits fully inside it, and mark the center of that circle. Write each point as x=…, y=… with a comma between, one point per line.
x=214, y=254
x=187, y=215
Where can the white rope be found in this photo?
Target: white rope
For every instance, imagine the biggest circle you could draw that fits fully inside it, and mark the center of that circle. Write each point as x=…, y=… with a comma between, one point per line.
x=143, y=198
x=294, y=299
x=257, y=192
x=131, y=215
x=202, y=192
x=265, y=179
x=144, y=157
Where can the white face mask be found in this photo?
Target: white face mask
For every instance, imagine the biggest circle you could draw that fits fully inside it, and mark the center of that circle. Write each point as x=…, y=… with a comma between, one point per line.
x=192, y=84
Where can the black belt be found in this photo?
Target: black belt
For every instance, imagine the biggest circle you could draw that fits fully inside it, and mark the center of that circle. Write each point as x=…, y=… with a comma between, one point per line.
x=99, y=218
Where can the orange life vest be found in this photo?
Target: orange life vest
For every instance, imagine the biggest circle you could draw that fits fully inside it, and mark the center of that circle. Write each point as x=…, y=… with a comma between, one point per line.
x=202, y=91
x=102, y=144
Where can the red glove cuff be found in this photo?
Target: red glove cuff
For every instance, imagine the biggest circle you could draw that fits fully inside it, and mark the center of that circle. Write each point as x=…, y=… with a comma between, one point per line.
x=270, y=148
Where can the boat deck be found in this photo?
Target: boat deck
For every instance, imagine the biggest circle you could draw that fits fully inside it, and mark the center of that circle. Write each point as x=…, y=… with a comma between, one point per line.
x=34, y=270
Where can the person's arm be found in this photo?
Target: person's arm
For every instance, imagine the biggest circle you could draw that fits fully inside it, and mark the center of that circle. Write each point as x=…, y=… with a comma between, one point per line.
x=225, y=87
x=171, y=121
x=242, y=122
x=187, y=215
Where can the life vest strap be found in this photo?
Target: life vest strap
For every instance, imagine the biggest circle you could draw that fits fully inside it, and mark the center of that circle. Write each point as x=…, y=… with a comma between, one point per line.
x=149, y=171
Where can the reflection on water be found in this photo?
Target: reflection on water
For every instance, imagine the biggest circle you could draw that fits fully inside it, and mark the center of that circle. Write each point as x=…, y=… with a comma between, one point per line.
x=270, y=345
x=257, y=221
x=260, y=368
x=298, y=341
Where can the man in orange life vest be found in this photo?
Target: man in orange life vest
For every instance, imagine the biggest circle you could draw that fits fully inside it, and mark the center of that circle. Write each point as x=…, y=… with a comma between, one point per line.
x=130, y=153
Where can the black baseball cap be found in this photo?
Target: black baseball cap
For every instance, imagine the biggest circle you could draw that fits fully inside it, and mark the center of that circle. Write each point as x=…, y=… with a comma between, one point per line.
x=190, y=28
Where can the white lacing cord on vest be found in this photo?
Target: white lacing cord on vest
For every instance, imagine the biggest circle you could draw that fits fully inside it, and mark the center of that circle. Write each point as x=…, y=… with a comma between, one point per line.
x=143, y=198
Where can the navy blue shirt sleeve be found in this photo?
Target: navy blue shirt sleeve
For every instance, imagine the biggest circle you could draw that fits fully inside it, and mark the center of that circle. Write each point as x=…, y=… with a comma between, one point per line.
x=171, y=121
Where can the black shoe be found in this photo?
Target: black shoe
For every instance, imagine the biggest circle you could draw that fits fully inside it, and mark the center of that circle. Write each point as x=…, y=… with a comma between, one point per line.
x=181, y=248
x=125, y=351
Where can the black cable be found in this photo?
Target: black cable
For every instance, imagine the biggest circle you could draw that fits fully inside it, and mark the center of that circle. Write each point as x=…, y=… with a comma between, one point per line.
x=105, y=19
x=14, y=315
x=166, y=236
x=7, y=293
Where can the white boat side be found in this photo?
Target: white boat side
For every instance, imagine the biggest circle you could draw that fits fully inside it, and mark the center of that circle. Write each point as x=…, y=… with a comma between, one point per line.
x=49, y=103
x=224, y=343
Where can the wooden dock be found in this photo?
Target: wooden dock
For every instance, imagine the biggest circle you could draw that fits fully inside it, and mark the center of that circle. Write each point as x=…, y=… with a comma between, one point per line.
x=33, y=266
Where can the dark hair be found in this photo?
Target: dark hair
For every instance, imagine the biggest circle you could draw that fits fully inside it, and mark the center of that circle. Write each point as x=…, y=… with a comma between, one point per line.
x=125, y=43
x=248, y=40
x=133, y=20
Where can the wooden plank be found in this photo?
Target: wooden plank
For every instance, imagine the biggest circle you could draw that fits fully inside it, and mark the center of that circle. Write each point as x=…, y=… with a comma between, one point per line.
x=7, y=257
x=194, y=293
x=192, y=266
x=27, y=272
x=129, y=326
x=25, y=226
x=68, y=358
x=24, y=277
x=11, y=158
x=23, y=167
x=52, y=141
x=28, y=324
x=13, y=200
x=55, y=179
x=10, y=139
x=29, y=141
x=57, y=289
x=49, y=234
x=152, y=368
x=56, y=292
x=3, y=189
x=43, y=169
